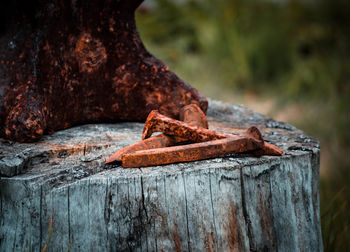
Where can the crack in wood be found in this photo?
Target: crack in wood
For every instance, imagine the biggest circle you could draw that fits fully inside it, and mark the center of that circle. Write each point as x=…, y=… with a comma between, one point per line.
x=212, y=208
x=245, y=212
x=186, y=213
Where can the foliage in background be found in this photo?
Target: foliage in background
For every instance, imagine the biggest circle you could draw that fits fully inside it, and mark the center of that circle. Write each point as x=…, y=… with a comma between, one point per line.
x=294, y=51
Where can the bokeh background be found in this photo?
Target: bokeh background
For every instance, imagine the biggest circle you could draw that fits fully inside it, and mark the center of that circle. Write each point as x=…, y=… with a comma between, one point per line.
x=287, y=59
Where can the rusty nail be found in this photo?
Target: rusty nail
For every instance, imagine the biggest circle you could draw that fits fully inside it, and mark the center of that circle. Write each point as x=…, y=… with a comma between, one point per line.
x=157, y=122
x=251, y=140
x=191, y=114
x=269, y=150
x=151, y=151
x=150, y=143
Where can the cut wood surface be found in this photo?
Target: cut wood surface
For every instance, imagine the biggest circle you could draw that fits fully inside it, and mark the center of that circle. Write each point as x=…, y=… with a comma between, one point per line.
x=234, y=203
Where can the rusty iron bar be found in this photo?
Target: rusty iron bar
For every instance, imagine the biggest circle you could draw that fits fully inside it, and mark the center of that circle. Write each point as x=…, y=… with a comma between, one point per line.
x=191, y=114
x=159, y=141
x=157, y=122
x=268, y=150
x=249, y=141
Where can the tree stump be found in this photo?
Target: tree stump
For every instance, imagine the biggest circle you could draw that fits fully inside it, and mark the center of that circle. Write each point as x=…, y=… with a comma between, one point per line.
x=235, y=203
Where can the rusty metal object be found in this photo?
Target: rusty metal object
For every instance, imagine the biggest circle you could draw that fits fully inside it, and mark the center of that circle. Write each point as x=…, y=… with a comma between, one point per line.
x=268, y=150
x=157, y=122
x=251, y=140
x=64, y=63
x=159, y=141
x=156, y=150
x=191, y=114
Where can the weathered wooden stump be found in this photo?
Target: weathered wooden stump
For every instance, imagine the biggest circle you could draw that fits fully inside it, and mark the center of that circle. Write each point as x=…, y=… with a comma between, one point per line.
x=235, y=203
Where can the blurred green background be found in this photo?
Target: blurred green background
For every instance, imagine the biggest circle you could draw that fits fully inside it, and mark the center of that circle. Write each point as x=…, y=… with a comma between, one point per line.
x=286, y=59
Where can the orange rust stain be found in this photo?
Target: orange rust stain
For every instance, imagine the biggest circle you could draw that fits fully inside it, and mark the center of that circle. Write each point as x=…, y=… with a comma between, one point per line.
x=39, y=131
x=232, y=231
x=210, y=242
x=66, y=125
x=90, y=53
x=154, y=69
x=115, y=107
x=265, y=217
x=176, y=238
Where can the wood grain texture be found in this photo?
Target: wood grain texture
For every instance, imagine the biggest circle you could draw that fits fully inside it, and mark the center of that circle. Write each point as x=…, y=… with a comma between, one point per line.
x=234, y=203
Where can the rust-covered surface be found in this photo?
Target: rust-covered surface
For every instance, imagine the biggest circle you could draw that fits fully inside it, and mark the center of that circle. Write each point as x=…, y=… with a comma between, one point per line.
x=191, y=114
x=64, y=63
x=209, y=143
x=156, y=122
x=192, y=152
x=154, y=142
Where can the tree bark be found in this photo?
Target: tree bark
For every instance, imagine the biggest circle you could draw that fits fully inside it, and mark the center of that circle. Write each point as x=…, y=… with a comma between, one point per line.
x=235, y=203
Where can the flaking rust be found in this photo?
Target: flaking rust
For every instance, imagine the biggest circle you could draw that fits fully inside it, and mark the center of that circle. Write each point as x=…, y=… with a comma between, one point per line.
x=194, y=128
x=191, y=114
x=64, y=63
x=192, y=152
x=157, y=122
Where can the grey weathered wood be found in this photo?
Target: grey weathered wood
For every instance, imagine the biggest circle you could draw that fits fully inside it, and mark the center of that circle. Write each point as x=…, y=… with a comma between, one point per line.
x=235, y=203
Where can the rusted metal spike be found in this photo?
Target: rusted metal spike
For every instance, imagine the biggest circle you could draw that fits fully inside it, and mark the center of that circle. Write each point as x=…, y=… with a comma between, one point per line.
x=157, y=122
x=194, y=152
x=150, y=143
x=191, y=114
x=269, y=150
